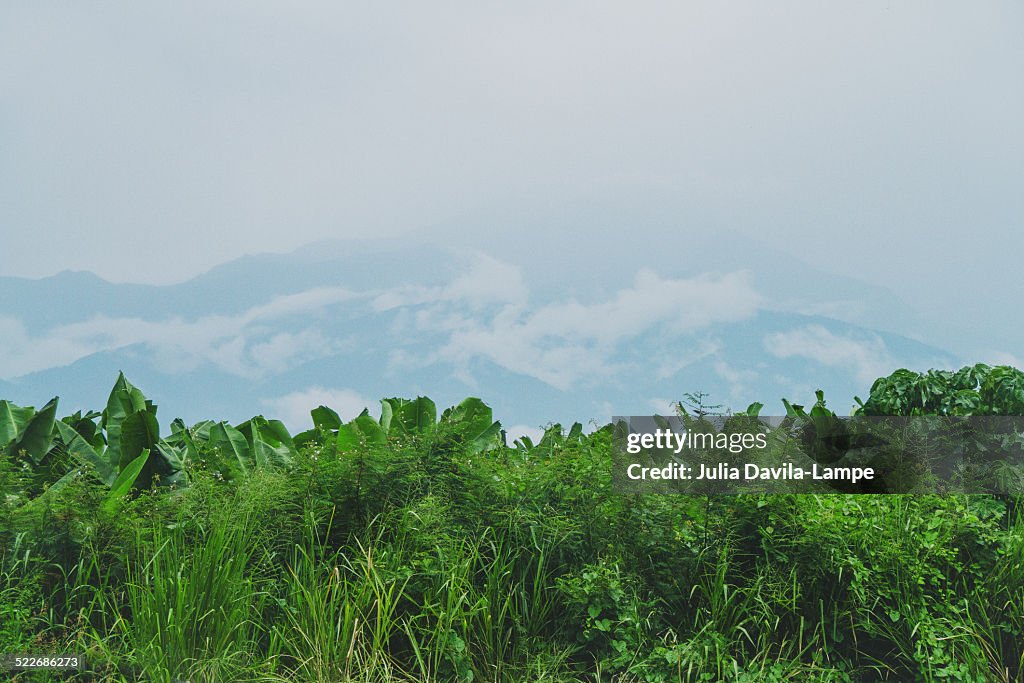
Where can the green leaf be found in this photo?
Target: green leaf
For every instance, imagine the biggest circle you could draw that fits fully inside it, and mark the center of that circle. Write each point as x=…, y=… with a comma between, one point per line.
x=262, y=452
x=387, y=413
x=175, y=456
x=575, y=432
x=325, y=418
x=279, y=432
x=552, y=436
x=140, y=432
x=124, y=400
x=84, y=452
x=363, y=430
x=26, y=430
x=37, y=437
x=13, y=420
x=473, y=419
x=231, y=442
x=124, y=482
x=524, y=443
x=486, y=440
x=87, y=427
x=793, y=409
x=309, y=437
x=270, y=444
x=407, y=417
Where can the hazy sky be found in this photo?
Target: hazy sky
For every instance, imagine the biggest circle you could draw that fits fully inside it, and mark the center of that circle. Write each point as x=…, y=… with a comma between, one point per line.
x=151, y=141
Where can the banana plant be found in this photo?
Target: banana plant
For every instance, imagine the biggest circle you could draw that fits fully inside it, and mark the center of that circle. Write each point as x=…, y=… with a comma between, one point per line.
x=270, y=444
x=326, y=423
x=361, y=431
x=235, y=451
x=131, y=427
x=973, y=390
x=58, y=450
x=552, y=440
x=471, y=421
x=405, y=417
x=26, y=431
x=474, y=421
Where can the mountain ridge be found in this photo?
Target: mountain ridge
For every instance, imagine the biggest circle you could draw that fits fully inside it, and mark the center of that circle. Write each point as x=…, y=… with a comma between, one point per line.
x=564, y=328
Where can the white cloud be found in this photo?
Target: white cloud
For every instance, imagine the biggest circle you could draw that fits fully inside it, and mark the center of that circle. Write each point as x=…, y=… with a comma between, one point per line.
x=302, y=302
x=567, y=343
x=235, y=344
x=867, y=358
x=21, y=353
x=740, y=382
x=285, y=350
x=564, y=344
x=486, y=281
x=671, y=363
x=293, y=409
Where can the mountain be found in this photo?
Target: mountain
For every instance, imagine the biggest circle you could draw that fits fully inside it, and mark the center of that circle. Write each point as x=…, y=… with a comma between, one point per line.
x=587, y=322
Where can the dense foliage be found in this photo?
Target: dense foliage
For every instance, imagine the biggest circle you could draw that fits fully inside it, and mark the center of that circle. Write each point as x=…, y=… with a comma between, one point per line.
x=422, y=548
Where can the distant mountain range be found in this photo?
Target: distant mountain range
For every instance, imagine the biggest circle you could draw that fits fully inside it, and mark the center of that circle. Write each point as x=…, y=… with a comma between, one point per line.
x=606, y=315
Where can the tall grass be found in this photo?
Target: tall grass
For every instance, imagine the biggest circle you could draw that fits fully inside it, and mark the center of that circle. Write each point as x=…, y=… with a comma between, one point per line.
x=340, y=611
x=532, y=571
x=486, y=610
x=191, y=609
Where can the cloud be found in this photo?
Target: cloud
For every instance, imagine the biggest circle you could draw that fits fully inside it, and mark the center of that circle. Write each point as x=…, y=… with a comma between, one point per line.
x=670, y=364
x=246, y=344
x=867, y=358
x=564, y=344
x=486, y=281
x=740, y=383
x=286, y=349
x=235, y=344
x=302, y=302
x=294, y=408
x=21, y=353
x=567, y=343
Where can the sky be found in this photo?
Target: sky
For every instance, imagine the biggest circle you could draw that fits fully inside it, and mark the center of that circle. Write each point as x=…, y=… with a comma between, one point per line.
x=148, y=142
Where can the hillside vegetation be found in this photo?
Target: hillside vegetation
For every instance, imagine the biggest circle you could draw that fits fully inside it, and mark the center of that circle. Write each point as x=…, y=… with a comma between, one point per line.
x=421, y=547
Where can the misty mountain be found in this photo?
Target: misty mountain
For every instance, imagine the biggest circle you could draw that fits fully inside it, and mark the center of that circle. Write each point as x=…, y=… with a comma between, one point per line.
x=582, y=326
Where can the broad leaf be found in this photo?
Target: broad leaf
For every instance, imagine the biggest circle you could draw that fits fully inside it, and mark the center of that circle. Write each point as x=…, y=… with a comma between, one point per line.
x=474, y=420
x=84, y=452
x=36, y=437
x=124, y=400
x=363, y=430
x=231, y=442
x=175, y=456
x=124, y=482
x=270, y=443
x=325, y=418
x=140, y=432
x=407, y=417
x=13, y=420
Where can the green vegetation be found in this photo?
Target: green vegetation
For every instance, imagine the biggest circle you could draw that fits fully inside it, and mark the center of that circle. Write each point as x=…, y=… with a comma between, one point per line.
x=423, y=548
